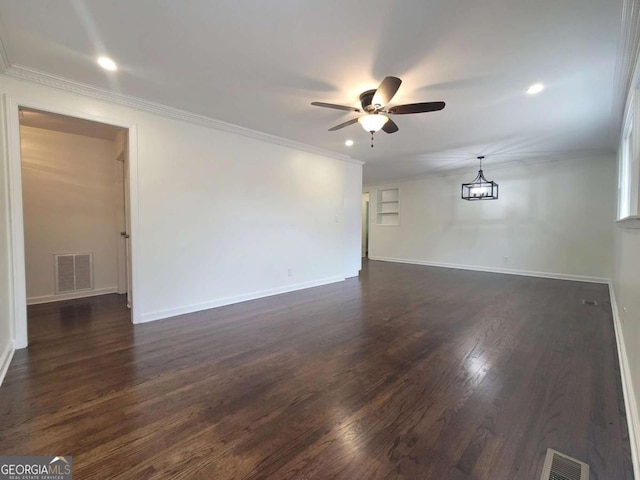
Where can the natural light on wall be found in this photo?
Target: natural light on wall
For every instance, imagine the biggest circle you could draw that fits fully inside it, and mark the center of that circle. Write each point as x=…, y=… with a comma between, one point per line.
x=629, y=165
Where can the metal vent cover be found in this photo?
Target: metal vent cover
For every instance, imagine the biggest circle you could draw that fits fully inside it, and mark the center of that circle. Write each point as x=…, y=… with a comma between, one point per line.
x=73, y=272
x=592, y=303
x=558, y=466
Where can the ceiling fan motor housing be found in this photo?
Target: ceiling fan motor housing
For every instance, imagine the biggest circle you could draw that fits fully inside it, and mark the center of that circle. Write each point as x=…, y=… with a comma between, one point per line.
x=365, y=100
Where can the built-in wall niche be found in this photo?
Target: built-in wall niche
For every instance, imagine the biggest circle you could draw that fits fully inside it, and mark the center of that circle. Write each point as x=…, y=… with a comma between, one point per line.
x=388, y=207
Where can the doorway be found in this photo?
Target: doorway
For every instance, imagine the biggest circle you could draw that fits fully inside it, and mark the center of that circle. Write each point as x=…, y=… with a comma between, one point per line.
x=365, y=225
x=62, y=262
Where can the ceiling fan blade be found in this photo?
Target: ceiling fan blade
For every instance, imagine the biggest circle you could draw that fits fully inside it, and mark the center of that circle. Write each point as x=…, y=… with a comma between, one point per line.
x=390, y=126
x=416, y=108
x=386, y=91
x=336, y=107
x=345, y=124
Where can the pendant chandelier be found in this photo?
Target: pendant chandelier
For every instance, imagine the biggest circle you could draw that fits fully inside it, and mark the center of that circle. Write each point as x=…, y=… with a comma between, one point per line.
x=480, y=188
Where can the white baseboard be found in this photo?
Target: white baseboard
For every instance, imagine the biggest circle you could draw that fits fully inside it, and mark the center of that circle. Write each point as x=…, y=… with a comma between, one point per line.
x=526, y=273
x=172, y=312
x=352, y=274
x=630, y=403
x=5, y=359
x=71, y=296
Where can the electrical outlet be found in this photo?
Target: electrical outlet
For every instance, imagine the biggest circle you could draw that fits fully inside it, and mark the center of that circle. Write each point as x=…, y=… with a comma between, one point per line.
x=505, y=259
x=289, y=272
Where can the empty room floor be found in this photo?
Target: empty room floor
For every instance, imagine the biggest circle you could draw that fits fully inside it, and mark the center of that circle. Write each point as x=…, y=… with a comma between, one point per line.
x=408, y=372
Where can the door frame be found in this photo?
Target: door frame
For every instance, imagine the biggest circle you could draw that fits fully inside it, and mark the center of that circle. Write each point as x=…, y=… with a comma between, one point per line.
x=124, y=227
x=365, y=203
x=16, y=218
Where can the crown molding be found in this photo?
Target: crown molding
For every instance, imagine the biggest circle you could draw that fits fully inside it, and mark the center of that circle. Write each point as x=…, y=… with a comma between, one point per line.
x=627, y=72
x=4, y=58
x=31, y=75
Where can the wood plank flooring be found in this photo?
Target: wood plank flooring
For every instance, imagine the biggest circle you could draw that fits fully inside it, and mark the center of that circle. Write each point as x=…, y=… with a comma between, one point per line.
x=408, y=372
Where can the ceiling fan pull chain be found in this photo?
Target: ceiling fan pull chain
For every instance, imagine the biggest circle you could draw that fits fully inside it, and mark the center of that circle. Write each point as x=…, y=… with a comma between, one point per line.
x=371, y=139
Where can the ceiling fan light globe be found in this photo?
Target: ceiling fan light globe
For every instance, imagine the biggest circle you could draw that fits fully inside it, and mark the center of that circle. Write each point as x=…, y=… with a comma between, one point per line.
x=373, y=122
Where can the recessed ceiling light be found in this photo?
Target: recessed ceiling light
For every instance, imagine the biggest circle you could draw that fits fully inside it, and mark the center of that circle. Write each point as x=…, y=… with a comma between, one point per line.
x=107, y=63
x=349, y=143
x=535, y=88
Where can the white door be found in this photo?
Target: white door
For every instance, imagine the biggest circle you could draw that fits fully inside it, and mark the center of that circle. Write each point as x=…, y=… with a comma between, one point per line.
x=127, y=222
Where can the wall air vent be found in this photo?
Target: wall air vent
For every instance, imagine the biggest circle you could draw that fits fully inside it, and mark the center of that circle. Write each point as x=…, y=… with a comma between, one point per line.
x=73, y=272
x=558, y=466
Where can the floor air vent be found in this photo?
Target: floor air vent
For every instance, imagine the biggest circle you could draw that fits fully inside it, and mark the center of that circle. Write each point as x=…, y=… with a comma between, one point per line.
x=558, y=466
x=593, y=303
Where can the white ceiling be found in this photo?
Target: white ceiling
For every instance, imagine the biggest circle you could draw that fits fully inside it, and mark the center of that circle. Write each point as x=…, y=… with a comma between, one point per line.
x=259, y=65
x=63, y=123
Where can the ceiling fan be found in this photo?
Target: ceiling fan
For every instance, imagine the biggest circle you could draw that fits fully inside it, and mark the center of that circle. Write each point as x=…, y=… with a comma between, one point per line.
x=374, y=116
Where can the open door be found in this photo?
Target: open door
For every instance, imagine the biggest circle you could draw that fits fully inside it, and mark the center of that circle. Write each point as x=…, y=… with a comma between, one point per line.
x=123, y=209
x=127, y=222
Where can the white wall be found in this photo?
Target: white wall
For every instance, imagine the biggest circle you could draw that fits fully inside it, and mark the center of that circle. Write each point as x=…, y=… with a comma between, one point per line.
x=69, y=205
x=352, y=221
x=223, y=217
x=626, y=275
x=7, y=331
x=626, y=283
x=553, y=217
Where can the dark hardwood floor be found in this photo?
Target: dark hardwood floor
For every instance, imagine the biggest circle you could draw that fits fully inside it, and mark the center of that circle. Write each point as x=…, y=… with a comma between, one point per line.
x=408, y=372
